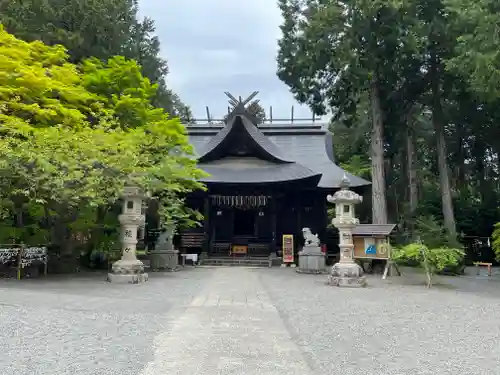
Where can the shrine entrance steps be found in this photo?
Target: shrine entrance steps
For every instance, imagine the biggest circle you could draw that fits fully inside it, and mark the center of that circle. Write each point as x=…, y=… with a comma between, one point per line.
x=237, y=261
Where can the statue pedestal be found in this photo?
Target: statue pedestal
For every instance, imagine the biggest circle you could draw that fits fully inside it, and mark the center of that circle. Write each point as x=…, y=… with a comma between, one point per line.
x=165, y=257
x=311, y=260
x=128, y=271
x=347, y=274
x=164, y=260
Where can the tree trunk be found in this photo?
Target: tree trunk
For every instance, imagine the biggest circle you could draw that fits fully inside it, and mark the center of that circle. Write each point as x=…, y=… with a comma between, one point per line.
x=19, y=227
x=480, y=155
x=438, y=123
x=429, y=279
x=412, y=170
x=460, y=159
x=379, y=203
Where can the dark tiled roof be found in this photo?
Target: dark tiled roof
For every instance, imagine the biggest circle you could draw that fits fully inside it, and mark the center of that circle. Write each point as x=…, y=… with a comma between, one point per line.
x=252, y=170
x=310, y=146
x=373, y=229
x=242, y=123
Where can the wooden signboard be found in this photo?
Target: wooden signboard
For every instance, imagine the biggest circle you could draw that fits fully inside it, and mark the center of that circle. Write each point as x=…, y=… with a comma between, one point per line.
x=192, y=240
x=239, y=249
x=287, y=247
x=20, y=257
x=371, y=247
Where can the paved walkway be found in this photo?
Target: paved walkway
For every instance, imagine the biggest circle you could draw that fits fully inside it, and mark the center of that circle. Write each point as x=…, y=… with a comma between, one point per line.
x=230, y=327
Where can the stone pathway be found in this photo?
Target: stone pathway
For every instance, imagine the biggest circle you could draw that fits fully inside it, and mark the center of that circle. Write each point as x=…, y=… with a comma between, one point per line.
x=230, y=327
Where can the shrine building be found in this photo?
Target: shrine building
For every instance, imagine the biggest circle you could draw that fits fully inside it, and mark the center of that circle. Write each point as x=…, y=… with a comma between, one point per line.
x=265, y=181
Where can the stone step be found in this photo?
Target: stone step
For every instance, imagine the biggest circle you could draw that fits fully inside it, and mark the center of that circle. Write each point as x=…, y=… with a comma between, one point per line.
x=255, y=262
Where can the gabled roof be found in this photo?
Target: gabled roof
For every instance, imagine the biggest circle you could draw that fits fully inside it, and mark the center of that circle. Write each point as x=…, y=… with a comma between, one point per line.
x=242, y=126
x=239, y=152
x=309, y=145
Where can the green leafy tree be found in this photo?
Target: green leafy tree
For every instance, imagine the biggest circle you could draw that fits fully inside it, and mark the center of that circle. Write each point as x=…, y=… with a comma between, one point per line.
x=477, y=58
x=431, y=260
x=95, y=29
x=58, y=158
x=90, y=28
x=38, y=87
x=332, y=53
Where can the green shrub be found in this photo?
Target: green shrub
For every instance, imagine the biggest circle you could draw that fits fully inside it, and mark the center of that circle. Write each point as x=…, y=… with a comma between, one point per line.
x=496, y=241
x=431, y=260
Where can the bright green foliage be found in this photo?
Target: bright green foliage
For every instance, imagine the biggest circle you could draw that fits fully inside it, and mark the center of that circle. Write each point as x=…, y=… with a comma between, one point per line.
x=61, y=164
x=121, y=86
x=496, y=241
x=38, y=87
x=431, y=260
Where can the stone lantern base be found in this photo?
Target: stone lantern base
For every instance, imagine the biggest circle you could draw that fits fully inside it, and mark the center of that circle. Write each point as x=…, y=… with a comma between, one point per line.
x=347, y=274
x=128, y=272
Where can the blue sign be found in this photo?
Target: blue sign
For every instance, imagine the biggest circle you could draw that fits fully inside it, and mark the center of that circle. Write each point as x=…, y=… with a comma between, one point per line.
x=371, y=250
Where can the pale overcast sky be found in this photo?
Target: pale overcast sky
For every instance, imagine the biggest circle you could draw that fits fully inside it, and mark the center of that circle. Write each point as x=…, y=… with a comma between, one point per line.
x=222, y=45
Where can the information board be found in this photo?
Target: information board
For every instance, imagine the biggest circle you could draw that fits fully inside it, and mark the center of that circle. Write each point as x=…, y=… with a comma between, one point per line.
x=287, y=247
x=371, y=248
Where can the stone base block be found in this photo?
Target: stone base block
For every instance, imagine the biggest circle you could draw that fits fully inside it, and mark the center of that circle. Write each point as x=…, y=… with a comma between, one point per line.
x=347, y=282
x=311, y=262
x=311, y=271
x=120, y=278
x=348, y=274
x=175, y=269
x=128, y=266
x=165, y=260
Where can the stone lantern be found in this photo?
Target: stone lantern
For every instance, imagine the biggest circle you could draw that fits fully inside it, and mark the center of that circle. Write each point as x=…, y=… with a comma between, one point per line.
x=129, y=269
x=346, y=273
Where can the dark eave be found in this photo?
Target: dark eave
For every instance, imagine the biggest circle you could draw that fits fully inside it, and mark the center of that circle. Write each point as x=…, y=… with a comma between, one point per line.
x=249, y=170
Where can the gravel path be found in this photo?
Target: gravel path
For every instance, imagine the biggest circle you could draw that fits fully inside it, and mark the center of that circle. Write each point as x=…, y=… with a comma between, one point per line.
x=392, y=327
x=248, y=321
x=86, y=326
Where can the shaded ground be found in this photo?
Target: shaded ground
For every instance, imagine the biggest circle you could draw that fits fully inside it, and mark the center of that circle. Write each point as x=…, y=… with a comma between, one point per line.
x=249, y=321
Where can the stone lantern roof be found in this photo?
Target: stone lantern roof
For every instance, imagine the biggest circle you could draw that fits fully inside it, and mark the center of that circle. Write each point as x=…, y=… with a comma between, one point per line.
x=344, y=195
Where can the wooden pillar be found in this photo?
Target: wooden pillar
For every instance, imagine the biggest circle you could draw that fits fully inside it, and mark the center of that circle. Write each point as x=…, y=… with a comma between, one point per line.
x=298, y=209
x=297, y=201
x=273, y=223
x=206, y=224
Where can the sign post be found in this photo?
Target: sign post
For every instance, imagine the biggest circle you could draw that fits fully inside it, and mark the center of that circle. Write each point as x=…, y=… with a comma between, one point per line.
x=287, y=247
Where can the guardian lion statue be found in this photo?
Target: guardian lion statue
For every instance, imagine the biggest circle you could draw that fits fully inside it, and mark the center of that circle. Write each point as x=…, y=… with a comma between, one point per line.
x=310, y=238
